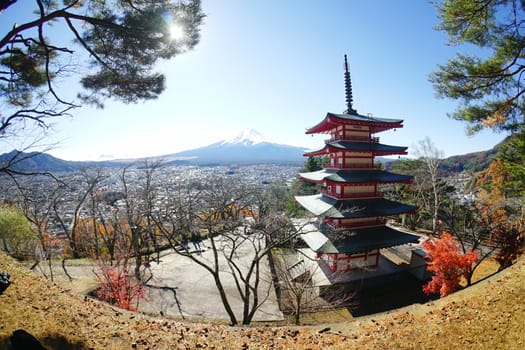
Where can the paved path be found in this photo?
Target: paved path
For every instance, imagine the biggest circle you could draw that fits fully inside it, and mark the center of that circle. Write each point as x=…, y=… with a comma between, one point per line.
x=186, y=288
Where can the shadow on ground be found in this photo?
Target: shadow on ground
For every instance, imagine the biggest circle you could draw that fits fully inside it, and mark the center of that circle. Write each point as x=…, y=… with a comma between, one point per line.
x=402, y=291
x=54, y=342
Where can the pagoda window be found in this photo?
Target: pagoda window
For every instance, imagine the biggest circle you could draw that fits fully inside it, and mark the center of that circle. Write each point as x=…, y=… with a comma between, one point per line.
x=332, y=162
x=338, y=189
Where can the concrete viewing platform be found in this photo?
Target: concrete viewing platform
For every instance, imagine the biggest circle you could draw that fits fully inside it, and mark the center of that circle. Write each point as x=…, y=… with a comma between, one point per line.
x=180, y=287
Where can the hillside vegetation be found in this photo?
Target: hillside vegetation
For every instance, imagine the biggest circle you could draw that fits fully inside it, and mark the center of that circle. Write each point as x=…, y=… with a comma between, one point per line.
x=488, y=315
x=470, y=162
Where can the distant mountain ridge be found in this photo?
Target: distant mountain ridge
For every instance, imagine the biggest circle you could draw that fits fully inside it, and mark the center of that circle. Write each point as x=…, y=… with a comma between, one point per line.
x=248, y=147
x=470, y=162
x=36, y=162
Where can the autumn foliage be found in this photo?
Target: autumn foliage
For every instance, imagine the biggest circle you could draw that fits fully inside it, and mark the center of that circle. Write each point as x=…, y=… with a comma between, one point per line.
x=505, y=222
x=511, y=241
x=119, y=287
x=448, y=263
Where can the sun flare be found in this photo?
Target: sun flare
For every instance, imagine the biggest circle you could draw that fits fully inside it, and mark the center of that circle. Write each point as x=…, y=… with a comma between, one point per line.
x=176, y=32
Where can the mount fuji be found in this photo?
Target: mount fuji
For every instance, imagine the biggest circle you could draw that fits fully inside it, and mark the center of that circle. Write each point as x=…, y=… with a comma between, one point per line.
x=247, y=137
x=247, y=147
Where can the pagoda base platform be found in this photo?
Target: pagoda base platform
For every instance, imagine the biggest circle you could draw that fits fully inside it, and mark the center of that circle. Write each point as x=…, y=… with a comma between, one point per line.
x=385, y=269
x=392, y=261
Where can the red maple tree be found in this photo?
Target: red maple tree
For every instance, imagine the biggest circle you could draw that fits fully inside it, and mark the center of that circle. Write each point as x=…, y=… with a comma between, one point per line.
x=119, y=287
x=448, y=263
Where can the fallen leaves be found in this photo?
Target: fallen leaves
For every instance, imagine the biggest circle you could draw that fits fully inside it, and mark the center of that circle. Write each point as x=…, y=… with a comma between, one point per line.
x=485, y=316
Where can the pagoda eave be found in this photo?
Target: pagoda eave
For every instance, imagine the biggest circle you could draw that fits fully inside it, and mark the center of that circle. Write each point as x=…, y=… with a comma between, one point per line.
x=331, y=149
x=401, y=153
x=364, y=183
x=328, y=207
x=356, y=176
x=332, y=121
x=356, y=241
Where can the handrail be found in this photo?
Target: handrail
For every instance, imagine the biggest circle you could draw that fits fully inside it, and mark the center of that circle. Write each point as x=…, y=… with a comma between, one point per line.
x=353, y=166
x=375, y=194
x=352, y=138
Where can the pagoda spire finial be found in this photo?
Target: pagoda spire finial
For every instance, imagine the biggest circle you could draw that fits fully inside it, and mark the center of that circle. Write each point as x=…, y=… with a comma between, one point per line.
x=348, y=90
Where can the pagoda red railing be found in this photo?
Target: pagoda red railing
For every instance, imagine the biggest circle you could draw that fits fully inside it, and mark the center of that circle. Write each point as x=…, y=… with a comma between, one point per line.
x=376, y=194
x=353, y=166
x=371, y=223
x=352, y=138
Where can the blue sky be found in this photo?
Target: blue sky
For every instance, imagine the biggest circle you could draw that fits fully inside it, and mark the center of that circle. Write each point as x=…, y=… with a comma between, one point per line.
x=277, y=67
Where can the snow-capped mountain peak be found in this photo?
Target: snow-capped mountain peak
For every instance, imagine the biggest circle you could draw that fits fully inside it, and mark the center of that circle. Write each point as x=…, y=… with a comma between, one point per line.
x=247, y=137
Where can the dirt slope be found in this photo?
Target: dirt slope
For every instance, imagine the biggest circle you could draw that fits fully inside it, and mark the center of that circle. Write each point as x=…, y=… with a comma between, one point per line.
x=488, y=315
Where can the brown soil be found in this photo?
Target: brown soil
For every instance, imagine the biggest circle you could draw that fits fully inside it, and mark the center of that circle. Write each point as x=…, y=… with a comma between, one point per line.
x=488, y=315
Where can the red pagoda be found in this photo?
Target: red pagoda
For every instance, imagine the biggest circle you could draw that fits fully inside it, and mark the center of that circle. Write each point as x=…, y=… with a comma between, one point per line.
x=351, y=227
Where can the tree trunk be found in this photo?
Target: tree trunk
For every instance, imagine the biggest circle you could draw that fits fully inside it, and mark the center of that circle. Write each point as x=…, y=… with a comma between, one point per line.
x=138, y=264
x=74, y=249
x=224, y=298
x=298, y=300
x=50, y=266
x=65, y=270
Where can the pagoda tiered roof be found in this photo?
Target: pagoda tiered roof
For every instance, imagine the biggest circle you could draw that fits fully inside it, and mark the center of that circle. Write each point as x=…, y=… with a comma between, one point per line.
x=333, y=120
x=378, y=149
x=350, y=209
x=354, y=241
x=321, y=205
x=356, y=176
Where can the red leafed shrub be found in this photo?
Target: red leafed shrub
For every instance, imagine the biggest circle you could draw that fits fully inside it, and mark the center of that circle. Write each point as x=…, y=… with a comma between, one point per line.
x=448, y=263
x=119, y=288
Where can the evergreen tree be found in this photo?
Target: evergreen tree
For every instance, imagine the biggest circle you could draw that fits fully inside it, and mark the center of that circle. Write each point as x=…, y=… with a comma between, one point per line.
x=512, y=157
x=112, y=48
x=488, y=85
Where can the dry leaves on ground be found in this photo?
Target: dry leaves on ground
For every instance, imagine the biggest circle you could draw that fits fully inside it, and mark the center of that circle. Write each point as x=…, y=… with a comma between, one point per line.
x=488, y=315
